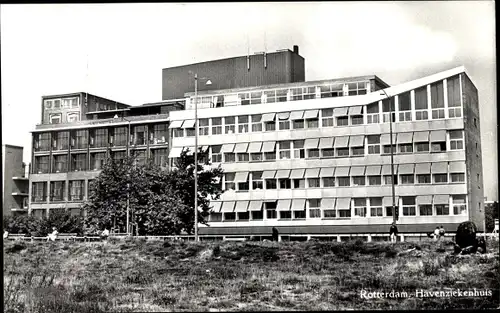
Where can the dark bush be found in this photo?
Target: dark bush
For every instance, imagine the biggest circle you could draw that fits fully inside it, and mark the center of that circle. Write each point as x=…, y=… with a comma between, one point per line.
x=466, y=234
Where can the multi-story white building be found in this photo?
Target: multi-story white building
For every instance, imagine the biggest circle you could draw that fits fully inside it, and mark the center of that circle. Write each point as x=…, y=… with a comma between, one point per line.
x=313, y=158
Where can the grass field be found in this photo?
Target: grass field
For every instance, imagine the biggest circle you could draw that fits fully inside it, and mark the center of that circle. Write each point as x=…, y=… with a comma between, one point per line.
x=128, y=276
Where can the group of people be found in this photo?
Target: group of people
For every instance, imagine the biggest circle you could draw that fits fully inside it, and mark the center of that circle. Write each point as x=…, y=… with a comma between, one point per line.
x=438, y=233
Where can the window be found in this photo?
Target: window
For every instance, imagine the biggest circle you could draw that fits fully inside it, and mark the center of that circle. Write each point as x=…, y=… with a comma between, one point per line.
x=256, y=97
x=372, y=113
x=298, y=124
x=357, y=120
x=190, y=132
x=243, y=124
x=404, y=107
x=344, y=181
x=38, y=191
x=387, y=149
x=328, y=153
x=299, y=183
x=374, y=180
x=203, y=127
x=358, y=180
x=256, y=157
x=160, y=157
x=42, y=143
x=270, y=126
x=99, y=138
x=72, y=117
x=244, y=186
x=178, y=132
x=216, y=126
x=356, y=151
x=270, y=210
x=459, y=205
x=120, y=136
x=296, y=93
x=328, y=91
x=284, y=124
x=285, y=214
x=216, y=154
x=376, y=207
x=76, y=190
x=160, y=133
x=61, y=140
x=440, y=178
x=388, y=210
x=57, y=103
x=424, y=178
x=270, y=96
x=140, y=157
x=281, y=95
x=55, y=118
x=409, y=208
x=313, y=153
x=425, y=209
x=388, y=180
x=406, y=148
x=271, y=184
x=454, y=97
x=360, y=207
x=442, y=209
x=342, y=152
x=456, y=140
x=327, y=117
x=41, y=164
x=257, y=215
x=457, y=177
x=79, y=162
x=438, y=147
x=421, y=104
x=229, y=181
x=244, y=98
x=229, y=216
x=407, y=179
x=257, y=180
x=314, y=208
x=342, y=121
x=215, y=217
x=97, y=160
x=243, y=216
x=269, y=156
x=421, y=115
x=229, y=157
x=230, y=127
x=299, y=214
x=119, y=156
x=422, y=147
x=437, y=100
x=243, y=157
x=388, y=107
x=312, y=122
x=328, y=181
x=313, y=182
x=57, y=191
x=298, y=149
x=257, y=123
x=140, y=135
x=285, y=183
x=60, y=164
x=284, y=150
x=373, y=144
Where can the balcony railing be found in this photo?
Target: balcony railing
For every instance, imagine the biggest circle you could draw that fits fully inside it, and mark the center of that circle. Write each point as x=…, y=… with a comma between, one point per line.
x=106, y=121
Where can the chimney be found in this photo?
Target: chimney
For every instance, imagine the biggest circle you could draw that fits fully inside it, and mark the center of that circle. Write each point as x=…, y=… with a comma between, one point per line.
x=296, y=49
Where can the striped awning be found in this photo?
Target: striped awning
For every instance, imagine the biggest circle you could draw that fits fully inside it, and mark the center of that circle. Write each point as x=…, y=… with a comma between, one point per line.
x=268, y=117
x=423, y=168
x=241, y=147
x=296, y=115
x=342, y=142
x=216, y=206
x=284, y=205
x=438, y=135
x=342, y=171
x=387, y=201
x=424, y=199
x=385, y=139
x=327, y=172
x=356, y=141
x=406, y=169
x=421, y=136
x=298, y=204
x=326, y=142
x=311, y=114
x=312, y=172
x=175, y=152
x=241, y=177
x=228, y=148
x=268, y=146
x=283, y=115
x=340, y=111
x=439, y=168
x=441, y=199
x=255, y=147
x=386, y=169
x=328, y=203
x=255, y=205
x=457, y=167
x=373, y=170
x=343, y=203
x=188, y=124
x=405, y=138
x=355, y=110
x=241, y=206
x=297, y=173
x=357, y=171
x=311, y=143
x=228, y=206
x=176, y=124
x=282, y=174
x=268, y=174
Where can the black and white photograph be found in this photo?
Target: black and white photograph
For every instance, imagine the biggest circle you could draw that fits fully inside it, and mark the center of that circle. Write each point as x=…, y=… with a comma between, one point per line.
x=249, y=156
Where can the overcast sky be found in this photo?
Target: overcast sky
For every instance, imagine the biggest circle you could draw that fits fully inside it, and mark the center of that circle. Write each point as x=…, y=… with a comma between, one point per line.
x=117, y=51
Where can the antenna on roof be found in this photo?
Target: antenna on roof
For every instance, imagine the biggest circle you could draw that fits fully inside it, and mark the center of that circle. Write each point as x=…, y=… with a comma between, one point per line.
x=248, y=53
x=265, y=50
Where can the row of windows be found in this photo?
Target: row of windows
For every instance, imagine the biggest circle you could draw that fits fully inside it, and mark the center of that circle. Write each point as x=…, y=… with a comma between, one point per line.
x=101, y=137
x=330, y=147
x=327, y=208
x=314, y=178
x=56, y=118
x=58, y=190
x=421, y=100
x=62, y=103
x=283, y=95
x=81, y=162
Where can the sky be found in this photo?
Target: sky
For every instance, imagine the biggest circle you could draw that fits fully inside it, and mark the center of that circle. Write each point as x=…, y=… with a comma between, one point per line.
x=117, y=51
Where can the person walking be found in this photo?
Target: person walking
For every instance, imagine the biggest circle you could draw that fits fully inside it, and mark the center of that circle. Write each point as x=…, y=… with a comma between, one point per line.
x=5, y=234
x=436, y=234
x=105, y=234
x=275, y=234
x=441, y=232
x=393, y=232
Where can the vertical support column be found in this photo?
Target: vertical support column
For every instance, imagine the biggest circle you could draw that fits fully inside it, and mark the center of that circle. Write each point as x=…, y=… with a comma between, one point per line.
x=445, y=97
x=365, y=119
x=460, y=78
x=396, y=109
x=380, y=112
x=429, y=106
x=412, y=103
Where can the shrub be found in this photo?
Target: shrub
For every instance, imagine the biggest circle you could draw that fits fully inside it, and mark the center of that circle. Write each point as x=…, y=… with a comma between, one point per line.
x=466, y=234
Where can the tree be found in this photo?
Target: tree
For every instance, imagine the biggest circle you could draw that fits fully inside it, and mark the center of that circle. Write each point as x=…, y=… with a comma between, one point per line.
x=32, y=226
x=160, y=201
x=491, y=212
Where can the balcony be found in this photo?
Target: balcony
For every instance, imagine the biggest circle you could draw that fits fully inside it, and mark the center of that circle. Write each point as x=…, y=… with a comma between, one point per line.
x=107, y=121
